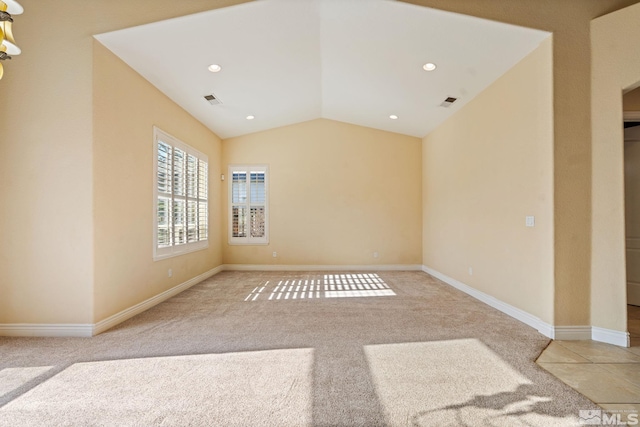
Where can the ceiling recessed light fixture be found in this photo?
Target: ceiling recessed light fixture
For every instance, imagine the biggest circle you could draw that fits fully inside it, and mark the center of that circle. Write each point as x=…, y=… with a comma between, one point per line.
x=393, y=117
x=214, y=68
x=429, y=66
x=250, y=117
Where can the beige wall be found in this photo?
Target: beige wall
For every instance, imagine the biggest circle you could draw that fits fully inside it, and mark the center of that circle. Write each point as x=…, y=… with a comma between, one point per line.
x=125, y=109
x=46, y=154
x=46, y=149
x=613, y=37
x=338, y=193
x=484, y=170
x=570, y=23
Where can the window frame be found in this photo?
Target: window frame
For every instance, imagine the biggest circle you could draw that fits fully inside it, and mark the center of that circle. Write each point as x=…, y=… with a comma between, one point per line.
x=248, y=240
x=160, y=253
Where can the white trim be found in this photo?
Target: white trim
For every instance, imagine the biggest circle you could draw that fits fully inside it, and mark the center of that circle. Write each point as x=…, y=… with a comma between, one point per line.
x=128, y=313
x=46, y=330
x=572, y=333
x=88, y=330
x=286, y=267
x=631, y=116
x=554, y=332
x=610, y=336
x=175, y=250
x=541, y=326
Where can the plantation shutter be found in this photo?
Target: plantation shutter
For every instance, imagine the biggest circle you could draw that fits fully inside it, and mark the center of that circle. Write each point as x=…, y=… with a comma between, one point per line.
x=181, y=205
x=257, y=203
x=248, y=205
x=164, y=211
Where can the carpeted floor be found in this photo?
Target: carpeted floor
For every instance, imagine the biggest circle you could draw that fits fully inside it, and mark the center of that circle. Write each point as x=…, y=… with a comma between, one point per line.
x=293, y=349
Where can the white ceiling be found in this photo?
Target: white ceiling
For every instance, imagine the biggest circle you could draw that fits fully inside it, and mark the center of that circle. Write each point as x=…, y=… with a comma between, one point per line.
x=356, y=61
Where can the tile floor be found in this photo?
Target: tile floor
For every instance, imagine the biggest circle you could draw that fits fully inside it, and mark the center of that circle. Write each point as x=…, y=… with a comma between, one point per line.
x=606, y=374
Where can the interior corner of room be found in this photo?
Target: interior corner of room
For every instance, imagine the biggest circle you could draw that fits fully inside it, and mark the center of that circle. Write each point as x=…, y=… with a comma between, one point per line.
x=518, y=197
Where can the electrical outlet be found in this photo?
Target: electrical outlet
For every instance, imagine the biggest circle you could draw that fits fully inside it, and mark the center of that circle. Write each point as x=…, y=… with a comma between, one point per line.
x=470, y=271
x=170, y=273
x=275, y=254
x=376, y=254
x=530, y=221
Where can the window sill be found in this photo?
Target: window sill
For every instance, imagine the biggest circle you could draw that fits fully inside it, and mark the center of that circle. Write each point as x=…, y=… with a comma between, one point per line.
x=183, y=251
x=248, y=243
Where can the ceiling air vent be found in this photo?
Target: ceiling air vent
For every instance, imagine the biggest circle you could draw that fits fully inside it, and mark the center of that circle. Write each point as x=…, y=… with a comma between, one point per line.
x=447, y=102
x=212, y=99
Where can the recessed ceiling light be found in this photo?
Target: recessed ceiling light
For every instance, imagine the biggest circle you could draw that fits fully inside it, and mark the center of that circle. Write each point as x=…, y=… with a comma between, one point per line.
x=214, y=68
x=429, y=66
x=393, y=117
x=251, y=117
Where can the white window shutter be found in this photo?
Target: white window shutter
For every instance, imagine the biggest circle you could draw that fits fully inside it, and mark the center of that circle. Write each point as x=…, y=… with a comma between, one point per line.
x=181, y=222
x=248, y=205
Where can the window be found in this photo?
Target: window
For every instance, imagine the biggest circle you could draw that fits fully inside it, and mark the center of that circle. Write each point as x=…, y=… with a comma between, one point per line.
x=248, y=205
x=181, y=204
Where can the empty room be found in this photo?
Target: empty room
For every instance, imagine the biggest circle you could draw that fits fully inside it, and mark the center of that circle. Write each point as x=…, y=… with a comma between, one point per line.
x=319, y=213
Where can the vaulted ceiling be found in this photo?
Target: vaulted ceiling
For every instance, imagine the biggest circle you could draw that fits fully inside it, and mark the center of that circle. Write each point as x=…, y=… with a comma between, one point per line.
x=356, y=61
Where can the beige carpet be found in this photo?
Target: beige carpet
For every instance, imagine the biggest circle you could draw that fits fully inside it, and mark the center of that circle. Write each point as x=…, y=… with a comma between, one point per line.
x=293, y=349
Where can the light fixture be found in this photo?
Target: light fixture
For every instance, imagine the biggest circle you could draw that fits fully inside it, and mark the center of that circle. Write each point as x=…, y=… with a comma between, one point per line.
x=250, y=117
x=8, y=47
x=12, y=7
x=393, y=117
x=429, y=66
x=214, y=68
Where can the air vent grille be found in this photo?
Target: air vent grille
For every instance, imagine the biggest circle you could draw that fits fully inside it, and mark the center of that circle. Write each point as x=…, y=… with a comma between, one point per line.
x=447, y=102
x=212, y=99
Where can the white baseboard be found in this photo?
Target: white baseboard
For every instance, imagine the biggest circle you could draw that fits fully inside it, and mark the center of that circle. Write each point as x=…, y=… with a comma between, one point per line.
x=572, y=333
x=128, y=313
x=569, y=333
x=287, y=267
x=88, y=330
x=46, y=330
x=543, y=327
x=610, y=336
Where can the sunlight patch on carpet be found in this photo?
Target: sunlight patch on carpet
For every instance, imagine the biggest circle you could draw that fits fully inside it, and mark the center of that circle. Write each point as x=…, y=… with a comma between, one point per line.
x=348, y=285
x=455, y=383
x=250, y=388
